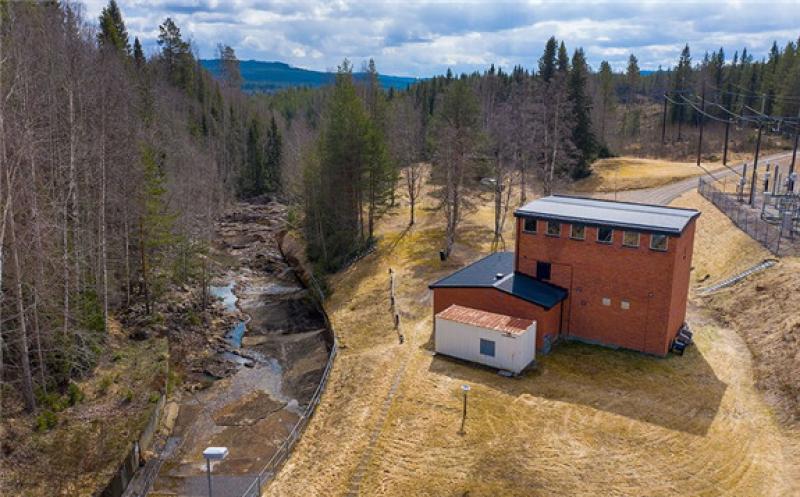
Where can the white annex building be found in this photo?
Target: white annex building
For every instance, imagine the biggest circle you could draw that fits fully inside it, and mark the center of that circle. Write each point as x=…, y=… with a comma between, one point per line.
x=487, y=338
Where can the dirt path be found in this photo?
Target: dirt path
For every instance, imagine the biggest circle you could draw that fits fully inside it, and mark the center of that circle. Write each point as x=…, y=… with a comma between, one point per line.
x=589, y=421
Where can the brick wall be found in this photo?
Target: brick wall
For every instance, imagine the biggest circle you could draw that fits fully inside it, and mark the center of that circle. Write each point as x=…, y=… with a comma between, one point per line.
x=653, y=283
x=493, y=300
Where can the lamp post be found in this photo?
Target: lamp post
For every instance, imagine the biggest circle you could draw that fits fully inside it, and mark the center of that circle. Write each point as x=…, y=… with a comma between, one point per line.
x=465, y=389
x=213, y=454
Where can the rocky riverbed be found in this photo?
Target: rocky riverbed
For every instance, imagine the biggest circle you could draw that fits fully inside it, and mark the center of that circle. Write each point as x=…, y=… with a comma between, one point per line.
x=262, y=371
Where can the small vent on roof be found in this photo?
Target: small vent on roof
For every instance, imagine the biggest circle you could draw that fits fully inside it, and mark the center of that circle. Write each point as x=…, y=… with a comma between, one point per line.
x=498, y=276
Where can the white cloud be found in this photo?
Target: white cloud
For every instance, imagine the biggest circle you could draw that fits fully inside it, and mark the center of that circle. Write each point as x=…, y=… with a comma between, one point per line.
x=424, y=38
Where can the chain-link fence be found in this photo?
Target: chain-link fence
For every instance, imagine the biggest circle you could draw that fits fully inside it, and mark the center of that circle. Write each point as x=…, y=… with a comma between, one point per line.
x=285, y=450
x=769, y=221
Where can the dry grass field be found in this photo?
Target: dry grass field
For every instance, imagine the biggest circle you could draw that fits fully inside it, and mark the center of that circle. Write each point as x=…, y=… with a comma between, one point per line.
x=632, y=173
x=587, y=421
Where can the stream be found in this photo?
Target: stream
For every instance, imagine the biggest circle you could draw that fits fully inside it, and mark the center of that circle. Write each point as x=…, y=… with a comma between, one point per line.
x=272, y=357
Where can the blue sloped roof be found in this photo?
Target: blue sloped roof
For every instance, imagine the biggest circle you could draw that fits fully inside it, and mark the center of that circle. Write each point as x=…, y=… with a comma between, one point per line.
x=497, y=271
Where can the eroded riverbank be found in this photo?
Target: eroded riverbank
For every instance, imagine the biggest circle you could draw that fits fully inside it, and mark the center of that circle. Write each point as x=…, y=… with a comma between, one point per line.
x=266, y=369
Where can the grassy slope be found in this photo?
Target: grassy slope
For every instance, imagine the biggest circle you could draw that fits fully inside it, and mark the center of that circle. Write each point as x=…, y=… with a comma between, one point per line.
x=587, y=419
x=633, y=173
x=85, y=449
x=763, y=308
x=628, y=173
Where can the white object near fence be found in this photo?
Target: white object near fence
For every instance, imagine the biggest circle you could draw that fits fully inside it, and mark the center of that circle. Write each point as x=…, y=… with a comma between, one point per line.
x=495, y=340
x=213, y=454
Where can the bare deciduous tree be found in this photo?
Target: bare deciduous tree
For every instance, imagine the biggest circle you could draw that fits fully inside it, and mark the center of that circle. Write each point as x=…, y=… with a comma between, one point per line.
x=406, y=141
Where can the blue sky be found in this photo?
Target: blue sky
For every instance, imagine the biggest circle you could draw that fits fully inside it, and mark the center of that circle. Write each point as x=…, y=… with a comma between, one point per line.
x=425, y=38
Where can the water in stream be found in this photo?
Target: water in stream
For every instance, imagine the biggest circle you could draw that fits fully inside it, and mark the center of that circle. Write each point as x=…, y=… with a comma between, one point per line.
x=279, y=349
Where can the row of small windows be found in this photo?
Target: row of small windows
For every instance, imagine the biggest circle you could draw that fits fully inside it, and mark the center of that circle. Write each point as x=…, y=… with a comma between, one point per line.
x=604, y=234
x=623, y=304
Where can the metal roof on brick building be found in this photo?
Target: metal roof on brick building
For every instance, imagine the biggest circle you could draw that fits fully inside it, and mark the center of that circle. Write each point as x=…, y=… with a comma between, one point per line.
x=625, y=215
x=497, y=271
x=483, y=319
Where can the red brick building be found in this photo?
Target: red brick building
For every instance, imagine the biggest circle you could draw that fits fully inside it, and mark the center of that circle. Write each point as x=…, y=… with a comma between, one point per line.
x=599, y=271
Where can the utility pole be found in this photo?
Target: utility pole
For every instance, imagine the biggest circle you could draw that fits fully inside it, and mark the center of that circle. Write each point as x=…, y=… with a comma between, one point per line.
x=664, y=123
x=742, y=183
x=776, y=178
x=702, y=120
x=755, y=164
x=794, y=150
x=725, y=150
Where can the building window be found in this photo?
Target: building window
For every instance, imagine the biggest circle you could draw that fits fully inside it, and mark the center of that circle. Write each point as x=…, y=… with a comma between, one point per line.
x=487, y=347
x=630, y=239
x=553, y=228
x=543, y=270
x=529, y=225
x=604, y=234
x=625, y=305
x=577, y=232
x=606, y=301
x=658, y=242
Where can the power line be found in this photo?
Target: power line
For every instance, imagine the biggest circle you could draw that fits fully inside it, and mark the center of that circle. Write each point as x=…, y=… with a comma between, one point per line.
x=789, y=98
x=700, y=111
x=758, y=117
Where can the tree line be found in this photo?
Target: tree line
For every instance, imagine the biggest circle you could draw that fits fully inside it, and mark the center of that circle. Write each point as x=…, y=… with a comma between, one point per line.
x=365, y=143
x=527, y=127
x=113, y=166
x=740, y=85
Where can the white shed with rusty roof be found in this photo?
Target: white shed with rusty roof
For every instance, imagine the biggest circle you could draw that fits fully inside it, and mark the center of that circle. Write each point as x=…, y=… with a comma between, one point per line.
x=495, y=340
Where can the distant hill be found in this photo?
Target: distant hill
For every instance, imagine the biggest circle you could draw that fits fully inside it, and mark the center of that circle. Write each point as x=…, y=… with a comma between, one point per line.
x=262, y=76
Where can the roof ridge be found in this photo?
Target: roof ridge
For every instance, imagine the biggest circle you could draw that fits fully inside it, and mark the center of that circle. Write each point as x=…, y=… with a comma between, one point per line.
x=636, y=204
x=611, y=201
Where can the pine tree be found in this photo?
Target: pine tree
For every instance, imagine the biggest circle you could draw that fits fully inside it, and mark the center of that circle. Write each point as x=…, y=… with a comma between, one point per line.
x=718, y=67
x=176, y=55
x=155, y=225
x=112, y=29
x=582, y=135
x=632, y=77
x=682, y=83
x=770, y=79
x=380, y=175
x=547, y=63
x=274, y=157
x=252, y=180
x=333, y=177
x=563, y=59
x=606, y=77
x=138, y=53
x=631, y=120
x=789, y=81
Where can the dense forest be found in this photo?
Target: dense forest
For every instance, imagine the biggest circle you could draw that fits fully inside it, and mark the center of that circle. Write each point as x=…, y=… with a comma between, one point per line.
x=534, y=128
x=114, y=165
x=113, y=169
